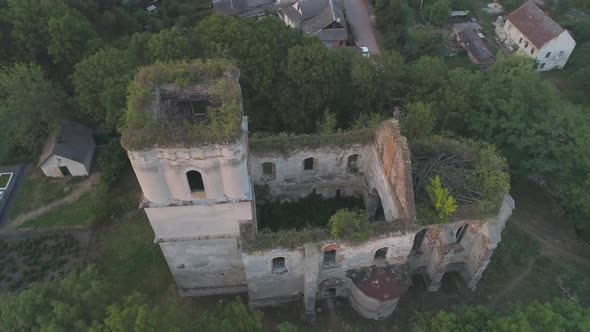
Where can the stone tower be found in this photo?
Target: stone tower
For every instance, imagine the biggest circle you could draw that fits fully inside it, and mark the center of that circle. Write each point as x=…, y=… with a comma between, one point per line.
x=186, y=139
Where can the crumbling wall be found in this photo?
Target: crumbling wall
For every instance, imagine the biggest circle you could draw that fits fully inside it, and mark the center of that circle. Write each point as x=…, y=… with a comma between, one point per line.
x=266, y=288
x=330, y=174
x=441, y=253
x=393, y=155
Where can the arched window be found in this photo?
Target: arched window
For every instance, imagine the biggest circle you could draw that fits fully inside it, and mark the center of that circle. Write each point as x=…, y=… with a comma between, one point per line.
x=268, y=170
x=381, y=253
x=418, y=239
x=461, y=232
x=309, y=165
x=329, y=258
x=195, y=181
x=278, y=265
x=352, y=165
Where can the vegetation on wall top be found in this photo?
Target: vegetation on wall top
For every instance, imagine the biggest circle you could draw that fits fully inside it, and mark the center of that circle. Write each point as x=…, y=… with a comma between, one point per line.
x=474, y=174
x=285, y=143
x=144, y=130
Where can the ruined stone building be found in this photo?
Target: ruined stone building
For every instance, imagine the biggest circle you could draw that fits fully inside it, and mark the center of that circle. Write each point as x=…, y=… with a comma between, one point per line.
x=188, y=142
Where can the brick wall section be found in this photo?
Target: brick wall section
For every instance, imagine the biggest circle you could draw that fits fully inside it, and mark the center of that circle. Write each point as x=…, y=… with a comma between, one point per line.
x=394, y=155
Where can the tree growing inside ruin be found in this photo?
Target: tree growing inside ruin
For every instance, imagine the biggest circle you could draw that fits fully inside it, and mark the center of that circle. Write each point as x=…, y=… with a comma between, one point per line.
x=442, y=201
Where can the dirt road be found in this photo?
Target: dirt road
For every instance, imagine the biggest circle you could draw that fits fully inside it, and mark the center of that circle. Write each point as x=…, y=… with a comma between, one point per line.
x=363, y=29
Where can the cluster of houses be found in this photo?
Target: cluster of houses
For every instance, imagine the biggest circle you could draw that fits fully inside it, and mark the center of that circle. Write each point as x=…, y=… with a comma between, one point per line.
x=526, y=31
x=322, y=18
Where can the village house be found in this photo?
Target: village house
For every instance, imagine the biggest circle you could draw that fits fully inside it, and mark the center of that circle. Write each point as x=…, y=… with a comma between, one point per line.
x=529, y=31
x=68, y=151
x=249, y=8
x=322, y=18
x=469, y=37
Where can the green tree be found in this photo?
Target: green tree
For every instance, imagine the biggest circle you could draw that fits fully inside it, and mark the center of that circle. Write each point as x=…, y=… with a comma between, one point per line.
x=234, y=316
x=461, y=94
x=100, y=83
x=427, y=77
x=72, y=303
x=424, y=42
x=311, y=80
x=112, y=162
x=260, y=50
x=350, y=225
x=418, y=122
x=442, y=201
x=439, y=12
x=30, y=107
x=71, y=37
x=134, y=313
x=49, y=29
x=168, y=45
x=559, y=315
x=376, y=82
x=328, y=124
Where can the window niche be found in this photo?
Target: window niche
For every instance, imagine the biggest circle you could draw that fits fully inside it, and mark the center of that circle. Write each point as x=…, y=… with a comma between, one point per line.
x=380, y=254
x=461, y=233
x=278, y=265
x=195, y=183
x=309, y=165
x=418, y=240
x=330, y=258
x=352, y=164
x=268, y=171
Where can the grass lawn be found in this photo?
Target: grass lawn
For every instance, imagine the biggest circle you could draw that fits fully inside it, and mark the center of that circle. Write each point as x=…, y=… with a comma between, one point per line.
x=460, y=60
x=79, y=213
x=39, y=190
x=4, y=178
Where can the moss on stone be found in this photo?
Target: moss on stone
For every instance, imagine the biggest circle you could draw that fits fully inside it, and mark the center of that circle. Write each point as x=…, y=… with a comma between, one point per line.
x=145, y=127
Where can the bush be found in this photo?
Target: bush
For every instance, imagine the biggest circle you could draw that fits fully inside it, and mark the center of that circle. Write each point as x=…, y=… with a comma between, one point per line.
x=112, y=161
x=350, y=225
x=441, y=200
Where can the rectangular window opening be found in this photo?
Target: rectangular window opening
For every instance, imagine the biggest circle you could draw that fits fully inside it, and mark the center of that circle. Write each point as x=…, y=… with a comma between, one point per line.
x=330, y=258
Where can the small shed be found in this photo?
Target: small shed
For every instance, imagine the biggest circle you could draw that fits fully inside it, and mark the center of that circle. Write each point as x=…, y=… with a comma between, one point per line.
x=68, y=151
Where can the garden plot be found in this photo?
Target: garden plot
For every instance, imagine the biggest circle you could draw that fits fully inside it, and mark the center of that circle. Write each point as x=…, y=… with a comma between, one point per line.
x=38, y=258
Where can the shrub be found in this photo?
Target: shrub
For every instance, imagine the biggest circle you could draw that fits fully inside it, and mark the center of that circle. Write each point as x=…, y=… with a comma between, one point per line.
x=112, y=161
x=442, y=201
x=350, y=225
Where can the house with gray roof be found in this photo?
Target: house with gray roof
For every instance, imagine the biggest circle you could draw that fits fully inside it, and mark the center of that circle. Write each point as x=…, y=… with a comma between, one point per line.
x=322, y=18
x=248, y=8
x=68, y=151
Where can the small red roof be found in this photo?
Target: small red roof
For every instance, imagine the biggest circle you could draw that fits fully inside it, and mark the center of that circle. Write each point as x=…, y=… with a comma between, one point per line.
x=380, y=284
x=534, y=24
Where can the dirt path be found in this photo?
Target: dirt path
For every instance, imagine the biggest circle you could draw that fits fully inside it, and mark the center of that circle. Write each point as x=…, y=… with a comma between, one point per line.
x=515, y=282
x=535, y=217
x=82, y=188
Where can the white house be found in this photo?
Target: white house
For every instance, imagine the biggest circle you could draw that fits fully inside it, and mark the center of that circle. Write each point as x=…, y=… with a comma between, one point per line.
x=68, y=152
x=529, y=31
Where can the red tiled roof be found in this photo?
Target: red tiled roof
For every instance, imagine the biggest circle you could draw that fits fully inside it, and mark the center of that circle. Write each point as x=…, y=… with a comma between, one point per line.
x=534, y=24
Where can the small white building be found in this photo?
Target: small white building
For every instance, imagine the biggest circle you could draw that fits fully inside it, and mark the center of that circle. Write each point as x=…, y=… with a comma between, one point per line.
x=529, y=31
x=68, y=152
